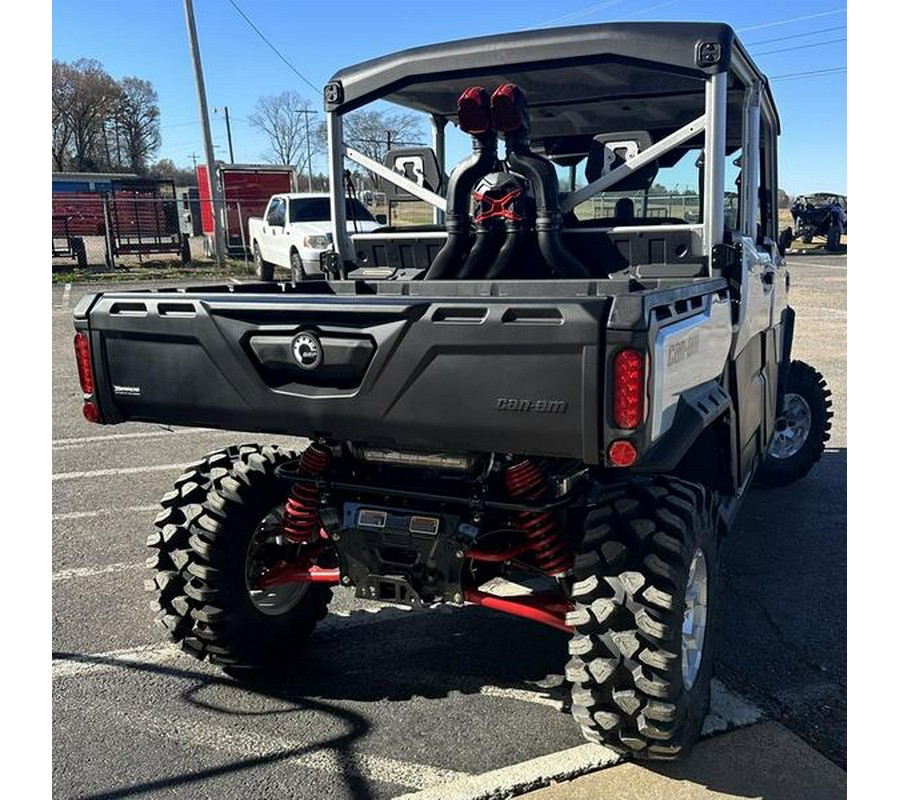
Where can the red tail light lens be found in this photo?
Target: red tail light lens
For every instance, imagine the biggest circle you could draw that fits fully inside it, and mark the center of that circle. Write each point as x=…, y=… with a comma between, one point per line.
x=622, y=453
x=90, y=411
x=83, y=359
x=628, y=388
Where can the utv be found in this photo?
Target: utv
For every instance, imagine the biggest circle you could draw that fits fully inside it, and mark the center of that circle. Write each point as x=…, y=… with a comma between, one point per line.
x=548, y=401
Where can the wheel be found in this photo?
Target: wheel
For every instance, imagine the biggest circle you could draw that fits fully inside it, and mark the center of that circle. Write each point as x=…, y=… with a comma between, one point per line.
x=833, y=240
x=802, y=429
x=185, y=250
x=785, y=239
x=645, y=595
x=217, y=533
x=79, y=251
x=297, y=273
x=264, y=270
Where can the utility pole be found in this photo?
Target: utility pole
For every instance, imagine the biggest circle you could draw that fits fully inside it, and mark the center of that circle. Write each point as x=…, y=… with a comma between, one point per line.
x=306, y=112
x=228, y=130
x=214, y=189
x=193, y=157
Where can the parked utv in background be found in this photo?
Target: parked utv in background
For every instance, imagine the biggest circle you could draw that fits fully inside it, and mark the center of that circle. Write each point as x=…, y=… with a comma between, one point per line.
x=523, y=406
x=817, y=216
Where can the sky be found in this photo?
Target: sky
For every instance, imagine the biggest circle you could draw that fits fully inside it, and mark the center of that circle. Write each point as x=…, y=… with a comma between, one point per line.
x=149, y=40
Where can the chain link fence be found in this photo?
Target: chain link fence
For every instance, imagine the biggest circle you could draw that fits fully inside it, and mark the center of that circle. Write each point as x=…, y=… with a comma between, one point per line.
x=93, y=230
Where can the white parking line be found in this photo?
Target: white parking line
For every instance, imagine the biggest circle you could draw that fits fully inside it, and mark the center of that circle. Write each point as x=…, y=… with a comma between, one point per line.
x=87, y=572
x=813, y=264
x=107, y=473
x=100, y=512
x=728, y=710
x=79, y=441
x=518, y=778
x=67, y=291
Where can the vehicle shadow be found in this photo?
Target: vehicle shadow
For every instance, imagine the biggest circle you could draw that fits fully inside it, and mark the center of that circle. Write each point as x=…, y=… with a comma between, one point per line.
x=403, y=655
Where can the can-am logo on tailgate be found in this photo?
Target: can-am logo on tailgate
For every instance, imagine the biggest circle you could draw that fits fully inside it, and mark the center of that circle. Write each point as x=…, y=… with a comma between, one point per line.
x=307, y=350
x=534, y=406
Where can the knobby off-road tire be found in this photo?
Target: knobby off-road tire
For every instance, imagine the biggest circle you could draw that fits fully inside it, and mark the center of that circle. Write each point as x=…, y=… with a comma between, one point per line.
x=635, y=688
x=802, y=430
x=200, y=555
x=265, y=270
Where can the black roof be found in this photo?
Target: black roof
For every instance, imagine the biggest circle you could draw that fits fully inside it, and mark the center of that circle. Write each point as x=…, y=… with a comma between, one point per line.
x=568, y=74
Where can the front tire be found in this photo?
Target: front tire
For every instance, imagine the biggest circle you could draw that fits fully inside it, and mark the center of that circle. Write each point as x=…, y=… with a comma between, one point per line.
x=802, y=429
x=297, y=272
x=264, y=270
x=208, y=535
x=646, y=595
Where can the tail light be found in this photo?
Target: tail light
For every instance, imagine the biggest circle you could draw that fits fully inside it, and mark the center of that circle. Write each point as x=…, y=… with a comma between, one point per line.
x=628, y=388
x=83, y=359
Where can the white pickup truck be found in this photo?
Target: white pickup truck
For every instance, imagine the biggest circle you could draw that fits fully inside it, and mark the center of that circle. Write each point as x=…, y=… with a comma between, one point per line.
x=296, y=229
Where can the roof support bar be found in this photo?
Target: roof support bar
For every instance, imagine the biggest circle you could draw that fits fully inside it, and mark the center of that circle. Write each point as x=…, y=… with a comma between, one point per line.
x=396, y=178
x=335, y=130
x=750, y=162
x=673, y=140
x=439, y=143
x=714, y=163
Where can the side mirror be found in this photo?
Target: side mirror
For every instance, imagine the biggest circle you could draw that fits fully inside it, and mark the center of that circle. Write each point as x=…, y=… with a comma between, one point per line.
x=381, y=219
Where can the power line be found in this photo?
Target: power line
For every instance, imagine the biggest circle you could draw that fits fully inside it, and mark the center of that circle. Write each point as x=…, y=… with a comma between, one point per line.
x=581, y=13
x=273, y=48
x=798, y=47
x=807, y=74
x=792, y=19
x=796, y=35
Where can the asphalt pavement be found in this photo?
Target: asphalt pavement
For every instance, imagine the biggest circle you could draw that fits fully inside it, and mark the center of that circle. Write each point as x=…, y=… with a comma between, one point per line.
x=441, y=703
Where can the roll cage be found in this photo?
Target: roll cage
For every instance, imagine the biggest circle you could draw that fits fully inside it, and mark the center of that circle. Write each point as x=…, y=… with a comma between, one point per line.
x=683, y=83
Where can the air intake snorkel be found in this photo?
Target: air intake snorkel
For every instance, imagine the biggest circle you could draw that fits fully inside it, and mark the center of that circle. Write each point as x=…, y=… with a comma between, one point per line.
x=509, y=112
x=474, y=117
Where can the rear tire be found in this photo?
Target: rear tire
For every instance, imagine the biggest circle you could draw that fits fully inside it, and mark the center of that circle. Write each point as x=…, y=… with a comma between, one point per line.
x=205, y=535
x=264, y=270
x=802, y=429
x=640, y=674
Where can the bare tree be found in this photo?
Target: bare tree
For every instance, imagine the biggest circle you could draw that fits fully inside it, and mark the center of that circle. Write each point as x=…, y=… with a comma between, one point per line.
x=94, y=96
x=373, y=132
x=62, y=103
x=280, y=117
x=136, y=121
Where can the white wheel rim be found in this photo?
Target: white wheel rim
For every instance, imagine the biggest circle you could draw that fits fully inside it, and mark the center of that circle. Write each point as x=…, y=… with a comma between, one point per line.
x=277, y=600
x=791, y=428
x=693, y=626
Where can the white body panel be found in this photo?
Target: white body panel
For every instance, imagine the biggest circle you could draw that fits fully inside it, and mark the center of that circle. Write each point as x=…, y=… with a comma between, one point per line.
x=685, y=354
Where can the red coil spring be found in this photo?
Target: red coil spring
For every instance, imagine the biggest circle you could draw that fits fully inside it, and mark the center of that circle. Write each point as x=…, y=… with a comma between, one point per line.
x=301, y=511
x=524, y=481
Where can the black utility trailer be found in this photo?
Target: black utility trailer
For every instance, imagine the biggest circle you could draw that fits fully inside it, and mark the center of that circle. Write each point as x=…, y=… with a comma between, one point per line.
x=143, y=219
x=523, y=406
x=65, y=245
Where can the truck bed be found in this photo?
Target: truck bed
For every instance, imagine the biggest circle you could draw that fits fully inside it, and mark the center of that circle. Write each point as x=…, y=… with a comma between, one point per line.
x=461, y=366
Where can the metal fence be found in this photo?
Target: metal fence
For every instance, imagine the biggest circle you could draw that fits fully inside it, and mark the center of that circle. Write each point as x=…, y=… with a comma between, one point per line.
x=121, y=229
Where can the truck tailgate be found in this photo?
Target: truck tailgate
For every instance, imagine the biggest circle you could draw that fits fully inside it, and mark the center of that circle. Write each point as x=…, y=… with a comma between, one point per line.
x=485, y=374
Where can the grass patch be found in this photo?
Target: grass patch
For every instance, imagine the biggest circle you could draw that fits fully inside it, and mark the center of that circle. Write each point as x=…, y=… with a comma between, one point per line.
x=155, y=270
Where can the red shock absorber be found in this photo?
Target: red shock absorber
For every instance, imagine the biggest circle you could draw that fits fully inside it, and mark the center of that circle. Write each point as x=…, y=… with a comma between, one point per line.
x=524, y=481
x=301, y=511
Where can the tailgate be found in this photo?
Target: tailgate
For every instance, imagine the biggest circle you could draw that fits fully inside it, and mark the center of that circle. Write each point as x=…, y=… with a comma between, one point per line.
x=486, y=374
